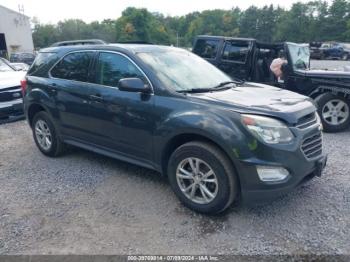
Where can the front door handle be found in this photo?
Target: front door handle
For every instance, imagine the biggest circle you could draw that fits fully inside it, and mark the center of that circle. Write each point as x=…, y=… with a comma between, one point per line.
x=96, y=98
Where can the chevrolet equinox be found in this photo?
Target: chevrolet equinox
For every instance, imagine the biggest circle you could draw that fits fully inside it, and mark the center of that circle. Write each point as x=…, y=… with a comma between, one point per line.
x=217, y=139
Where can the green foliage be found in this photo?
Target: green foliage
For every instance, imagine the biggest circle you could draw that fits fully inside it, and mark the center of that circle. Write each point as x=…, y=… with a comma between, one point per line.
x=303, y=22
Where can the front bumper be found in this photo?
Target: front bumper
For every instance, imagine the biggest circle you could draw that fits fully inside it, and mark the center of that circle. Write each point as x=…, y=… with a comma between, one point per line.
x=295, y=158
x=11, y=111
x=260, y=192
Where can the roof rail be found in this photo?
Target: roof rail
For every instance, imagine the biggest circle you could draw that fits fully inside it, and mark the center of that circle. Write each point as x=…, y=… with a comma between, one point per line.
x=80, y=42
x=135, y=42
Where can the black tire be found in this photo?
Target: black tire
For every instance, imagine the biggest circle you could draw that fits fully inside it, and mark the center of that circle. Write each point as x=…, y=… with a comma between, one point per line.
x=322, y=100
x=57, y=146
x=226, y=178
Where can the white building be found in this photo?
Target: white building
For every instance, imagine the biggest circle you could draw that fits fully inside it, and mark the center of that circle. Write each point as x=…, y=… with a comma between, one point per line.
x=15, y=32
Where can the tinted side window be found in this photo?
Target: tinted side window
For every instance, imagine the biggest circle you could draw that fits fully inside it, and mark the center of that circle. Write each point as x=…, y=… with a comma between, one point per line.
x=113, y=67
x=236, y=51
x=73, y=66
x=206, y=48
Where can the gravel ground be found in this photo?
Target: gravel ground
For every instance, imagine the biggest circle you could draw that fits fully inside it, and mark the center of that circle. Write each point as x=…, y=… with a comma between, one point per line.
x=84, y=203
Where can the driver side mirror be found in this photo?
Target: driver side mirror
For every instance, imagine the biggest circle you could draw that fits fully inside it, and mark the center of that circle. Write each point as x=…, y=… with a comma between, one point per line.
x=133, y=85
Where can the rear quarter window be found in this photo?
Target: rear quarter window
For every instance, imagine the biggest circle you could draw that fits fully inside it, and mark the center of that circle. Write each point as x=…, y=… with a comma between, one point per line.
x=41, y=63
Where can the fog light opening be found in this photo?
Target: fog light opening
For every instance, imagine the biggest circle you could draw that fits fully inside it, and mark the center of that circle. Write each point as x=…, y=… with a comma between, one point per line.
x=272, y=173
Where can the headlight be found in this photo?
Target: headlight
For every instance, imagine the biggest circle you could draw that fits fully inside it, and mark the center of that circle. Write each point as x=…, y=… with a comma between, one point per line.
x=267, y=129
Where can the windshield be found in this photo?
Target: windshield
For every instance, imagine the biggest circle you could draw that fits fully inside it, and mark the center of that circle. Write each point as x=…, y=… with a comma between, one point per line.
x=182, y=71
x=5, y=67
x=300, y=55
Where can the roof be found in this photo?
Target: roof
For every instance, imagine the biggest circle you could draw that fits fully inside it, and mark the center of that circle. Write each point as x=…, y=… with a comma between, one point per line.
x=258, y=43
x=12, y=11
x=134, y=48
x=225, y=37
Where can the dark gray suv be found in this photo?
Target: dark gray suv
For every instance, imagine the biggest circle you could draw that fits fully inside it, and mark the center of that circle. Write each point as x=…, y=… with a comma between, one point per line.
x=216, y=139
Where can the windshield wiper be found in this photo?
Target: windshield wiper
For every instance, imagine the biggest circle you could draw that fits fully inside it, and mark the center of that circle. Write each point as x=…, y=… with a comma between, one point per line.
x=238, y=81
x=222, y=84
x=197, y=90
x=205, y=90
x=219, y=87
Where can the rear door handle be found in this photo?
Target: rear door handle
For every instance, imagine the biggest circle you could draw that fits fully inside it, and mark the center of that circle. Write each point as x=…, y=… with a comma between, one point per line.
x=96, y=98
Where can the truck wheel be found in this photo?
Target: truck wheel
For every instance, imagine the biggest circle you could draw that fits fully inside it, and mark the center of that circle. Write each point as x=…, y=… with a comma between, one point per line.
x=45, y=135
x=202, y=177
x=334, y=112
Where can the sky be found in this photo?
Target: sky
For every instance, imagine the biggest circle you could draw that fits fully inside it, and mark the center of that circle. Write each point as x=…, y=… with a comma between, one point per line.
x=52, y=11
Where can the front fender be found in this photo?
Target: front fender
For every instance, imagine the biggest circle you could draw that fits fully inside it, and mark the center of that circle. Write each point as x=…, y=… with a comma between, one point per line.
x=222, y=128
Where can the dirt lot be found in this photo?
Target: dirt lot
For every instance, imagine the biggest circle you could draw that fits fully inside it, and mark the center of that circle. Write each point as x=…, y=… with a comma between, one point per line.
x=83, y=203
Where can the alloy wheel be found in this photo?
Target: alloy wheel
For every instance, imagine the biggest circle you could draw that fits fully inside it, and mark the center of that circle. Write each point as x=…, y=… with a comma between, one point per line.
x=335, y=112
x=43, y=134
x=197, y=180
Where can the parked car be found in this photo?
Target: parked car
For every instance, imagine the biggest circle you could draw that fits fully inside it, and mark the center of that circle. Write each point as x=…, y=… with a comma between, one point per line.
x=26, y=58
x=340, y=51
x=11, y=103
x=315, y=51
x=164, y=108
x=20, y=66
x=250, y=60
x=16, y=66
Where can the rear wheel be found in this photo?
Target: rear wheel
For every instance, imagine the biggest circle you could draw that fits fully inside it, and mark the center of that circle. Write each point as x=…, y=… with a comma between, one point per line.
x=334, y=112
x=45, y=135
x=202, y=177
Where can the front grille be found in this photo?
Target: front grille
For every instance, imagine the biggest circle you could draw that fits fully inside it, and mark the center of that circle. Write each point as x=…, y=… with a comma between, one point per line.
x=312, y=146
x=11, y=93
x=307, y=121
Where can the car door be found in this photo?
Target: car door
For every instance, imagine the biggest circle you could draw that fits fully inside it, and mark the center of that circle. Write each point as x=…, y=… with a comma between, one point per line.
x=295, y=78
x=124, y=121
x=71, y=92
x=235, y=58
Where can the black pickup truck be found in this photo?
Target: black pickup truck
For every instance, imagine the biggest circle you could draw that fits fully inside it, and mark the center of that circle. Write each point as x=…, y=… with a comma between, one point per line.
x=250, y=60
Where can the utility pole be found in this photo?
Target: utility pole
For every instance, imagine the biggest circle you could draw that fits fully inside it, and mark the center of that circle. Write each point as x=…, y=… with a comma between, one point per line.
x=177, y=38
x=21, y=12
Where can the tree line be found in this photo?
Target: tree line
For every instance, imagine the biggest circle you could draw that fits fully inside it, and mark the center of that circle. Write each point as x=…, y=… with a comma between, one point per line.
x=303, y=22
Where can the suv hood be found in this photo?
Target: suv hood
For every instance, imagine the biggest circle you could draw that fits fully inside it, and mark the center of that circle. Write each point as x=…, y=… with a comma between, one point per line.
x=261, y=99
x=10, y=79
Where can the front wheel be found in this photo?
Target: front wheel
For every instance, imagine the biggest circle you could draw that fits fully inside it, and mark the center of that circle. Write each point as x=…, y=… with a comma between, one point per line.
x=334, y=112
x=202, y=177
